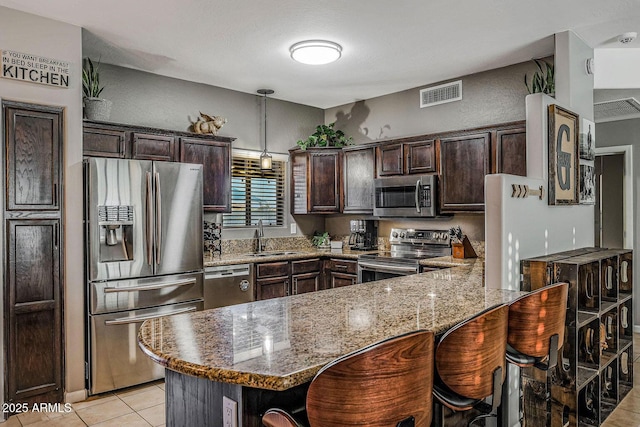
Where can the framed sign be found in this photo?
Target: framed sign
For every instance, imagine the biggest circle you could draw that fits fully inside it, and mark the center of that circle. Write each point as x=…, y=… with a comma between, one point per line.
x=563, y=156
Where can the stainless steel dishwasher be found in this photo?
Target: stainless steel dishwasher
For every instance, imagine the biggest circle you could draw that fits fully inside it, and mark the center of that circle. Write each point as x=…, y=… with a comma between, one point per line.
x=227, y=285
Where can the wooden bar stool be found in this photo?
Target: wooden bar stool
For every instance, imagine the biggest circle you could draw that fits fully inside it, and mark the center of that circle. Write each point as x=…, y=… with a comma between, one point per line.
x=536, y=331
x=470, y=364
x=386, y=384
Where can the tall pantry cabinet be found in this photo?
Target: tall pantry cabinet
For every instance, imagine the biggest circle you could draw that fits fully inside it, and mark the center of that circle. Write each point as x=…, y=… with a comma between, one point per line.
x=32, y=248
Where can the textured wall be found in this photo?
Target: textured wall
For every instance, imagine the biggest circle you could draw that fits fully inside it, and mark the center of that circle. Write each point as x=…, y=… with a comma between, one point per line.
x=141, y=98
x=490, y=97
x=28, y=33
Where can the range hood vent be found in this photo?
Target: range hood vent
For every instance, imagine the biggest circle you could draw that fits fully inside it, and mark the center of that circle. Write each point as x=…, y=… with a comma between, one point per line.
x=441, y=94
x=617, y=109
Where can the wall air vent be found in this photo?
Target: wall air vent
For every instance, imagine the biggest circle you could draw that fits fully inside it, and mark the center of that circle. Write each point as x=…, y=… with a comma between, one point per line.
x=441, y=94
x=617, y=109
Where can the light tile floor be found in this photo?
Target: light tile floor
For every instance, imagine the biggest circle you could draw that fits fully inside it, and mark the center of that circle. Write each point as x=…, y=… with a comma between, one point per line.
x=143, y=406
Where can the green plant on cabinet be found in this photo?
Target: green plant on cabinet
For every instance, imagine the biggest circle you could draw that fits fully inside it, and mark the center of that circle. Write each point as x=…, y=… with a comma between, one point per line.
x=325, y=136
x=543, y=80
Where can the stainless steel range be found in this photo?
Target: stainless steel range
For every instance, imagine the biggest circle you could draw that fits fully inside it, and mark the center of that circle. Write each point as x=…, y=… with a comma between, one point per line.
x=408, y=247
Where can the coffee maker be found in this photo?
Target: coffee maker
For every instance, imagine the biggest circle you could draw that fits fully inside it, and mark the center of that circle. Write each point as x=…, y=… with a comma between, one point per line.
x=364, y=234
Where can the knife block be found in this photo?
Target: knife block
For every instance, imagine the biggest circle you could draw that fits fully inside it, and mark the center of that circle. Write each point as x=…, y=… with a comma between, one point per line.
x=464, y=249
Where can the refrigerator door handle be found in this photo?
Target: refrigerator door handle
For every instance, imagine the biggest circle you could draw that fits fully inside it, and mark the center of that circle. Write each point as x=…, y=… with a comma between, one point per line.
x=149, y=219
x=158, y=219
x=151, y=287
x=126, y=320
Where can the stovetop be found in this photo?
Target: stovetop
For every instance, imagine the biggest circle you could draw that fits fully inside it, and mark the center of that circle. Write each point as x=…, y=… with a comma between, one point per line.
x=409, y=246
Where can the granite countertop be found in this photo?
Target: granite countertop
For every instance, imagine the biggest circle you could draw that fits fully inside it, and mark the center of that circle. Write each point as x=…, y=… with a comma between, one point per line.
x=279, y=343
x=229, y=259
x=244, y=258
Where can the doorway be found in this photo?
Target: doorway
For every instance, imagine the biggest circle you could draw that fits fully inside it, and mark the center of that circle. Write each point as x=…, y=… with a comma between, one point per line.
x=614, y=208
x=609, y=210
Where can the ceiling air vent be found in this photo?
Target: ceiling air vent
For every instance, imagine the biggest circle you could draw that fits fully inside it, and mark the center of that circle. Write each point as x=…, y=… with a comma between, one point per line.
x=441, y=94
x=617, y=109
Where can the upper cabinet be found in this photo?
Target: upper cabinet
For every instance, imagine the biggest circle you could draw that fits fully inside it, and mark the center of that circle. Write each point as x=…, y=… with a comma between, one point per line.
x=410, y=157
x=33, y=157
x=420, y=156
x=153, y=147
x=358, y=174
x=316, y=180
x=390, y=160
x=215, y=158
x=464, y=162
x=133, y=142
x=511, y=151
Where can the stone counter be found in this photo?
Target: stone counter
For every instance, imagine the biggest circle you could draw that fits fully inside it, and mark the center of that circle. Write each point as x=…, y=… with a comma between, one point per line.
x=281, y=343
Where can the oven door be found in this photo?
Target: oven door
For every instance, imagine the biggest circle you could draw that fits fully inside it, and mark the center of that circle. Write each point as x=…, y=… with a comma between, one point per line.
x=405, y=196
x=369, y=271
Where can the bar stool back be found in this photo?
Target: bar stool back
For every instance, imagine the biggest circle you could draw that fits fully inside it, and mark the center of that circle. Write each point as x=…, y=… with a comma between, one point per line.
x=470, y=363
x=536, y=327
x=386, y=384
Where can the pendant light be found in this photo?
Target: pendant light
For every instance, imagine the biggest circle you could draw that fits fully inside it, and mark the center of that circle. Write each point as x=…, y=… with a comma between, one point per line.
x=265, y=158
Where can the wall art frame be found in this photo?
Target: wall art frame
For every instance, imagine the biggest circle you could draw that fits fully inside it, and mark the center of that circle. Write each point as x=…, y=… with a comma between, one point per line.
x=563, y=130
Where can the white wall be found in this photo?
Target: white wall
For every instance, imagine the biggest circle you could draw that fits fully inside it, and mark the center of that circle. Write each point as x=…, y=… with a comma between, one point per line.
x=617, y=68
x=28, y=33
x=518, y=228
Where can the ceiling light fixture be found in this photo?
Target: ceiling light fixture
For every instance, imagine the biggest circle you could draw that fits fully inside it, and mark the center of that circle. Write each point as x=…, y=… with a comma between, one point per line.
x=265, y=158
x=316, y=52
x=627, y=37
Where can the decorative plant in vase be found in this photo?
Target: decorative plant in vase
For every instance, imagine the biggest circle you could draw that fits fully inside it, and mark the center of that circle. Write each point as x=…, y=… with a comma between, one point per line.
x=543, y=80
x=325, y=136
x=321, y=241
x=95, y=108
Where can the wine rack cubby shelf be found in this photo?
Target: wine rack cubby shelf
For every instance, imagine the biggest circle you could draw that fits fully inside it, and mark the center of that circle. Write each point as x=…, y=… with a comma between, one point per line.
x=595, y=364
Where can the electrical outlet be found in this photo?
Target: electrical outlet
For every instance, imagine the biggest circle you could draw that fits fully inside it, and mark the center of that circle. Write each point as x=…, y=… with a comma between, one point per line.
x=294, y=228
x=229, y=412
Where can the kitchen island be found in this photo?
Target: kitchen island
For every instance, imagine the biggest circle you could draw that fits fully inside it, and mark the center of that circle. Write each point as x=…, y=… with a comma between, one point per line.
x=265, y=353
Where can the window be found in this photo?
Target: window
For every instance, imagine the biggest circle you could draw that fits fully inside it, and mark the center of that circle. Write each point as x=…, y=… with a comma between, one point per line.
x=255, y=194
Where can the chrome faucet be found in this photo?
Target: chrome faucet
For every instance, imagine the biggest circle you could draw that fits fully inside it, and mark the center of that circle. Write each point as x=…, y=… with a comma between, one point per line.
x=260, y=233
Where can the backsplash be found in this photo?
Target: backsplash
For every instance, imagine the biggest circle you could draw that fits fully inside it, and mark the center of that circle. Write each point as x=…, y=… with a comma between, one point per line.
x=240, y=246
x=212, y=238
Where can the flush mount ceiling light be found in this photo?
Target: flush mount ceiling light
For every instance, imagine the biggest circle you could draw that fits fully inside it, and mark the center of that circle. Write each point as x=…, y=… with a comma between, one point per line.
x=315, y=52
x=627, y=37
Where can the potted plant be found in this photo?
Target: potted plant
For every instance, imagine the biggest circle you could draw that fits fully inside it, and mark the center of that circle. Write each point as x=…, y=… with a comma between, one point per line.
x=95, y=108
x=325, y=136
x=321, y=241
x=543, y=80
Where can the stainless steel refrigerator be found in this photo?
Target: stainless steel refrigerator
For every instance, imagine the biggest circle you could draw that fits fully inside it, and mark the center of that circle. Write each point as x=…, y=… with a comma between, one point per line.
x=144, y=259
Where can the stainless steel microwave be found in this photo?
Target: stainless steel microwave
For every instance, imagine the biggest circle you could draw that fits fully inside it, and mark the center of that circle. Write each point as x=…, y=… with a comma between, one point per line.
x=405, y=196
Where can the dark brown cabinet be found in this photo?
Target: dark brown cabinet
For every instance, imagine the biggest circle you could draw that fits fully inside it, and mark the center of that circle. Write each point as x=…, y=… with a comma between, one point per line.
x=511, y=151
x=33, y=293
x=98, y=141
x=464, y=162
x=134, y=142
x=316, y=181
x=153, y=147
x=358, y=174
x=306, y=276
x=341, y=272
x=215, y=157
x=390, y=160
x=420, y=157
x=272, y=279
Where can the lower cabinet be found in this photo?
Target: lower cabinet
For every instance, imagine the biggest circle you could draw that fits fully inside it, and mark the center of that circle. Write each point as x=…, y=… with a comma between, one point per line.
x=341, y=272
x=306, y=276
x=272, y=279
x=283, y=278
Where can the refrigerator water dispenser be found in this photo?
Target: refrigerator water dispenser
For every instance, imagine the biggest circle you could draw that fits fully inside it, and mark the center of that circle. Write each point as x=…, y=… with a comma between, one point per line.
x=116, y=233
